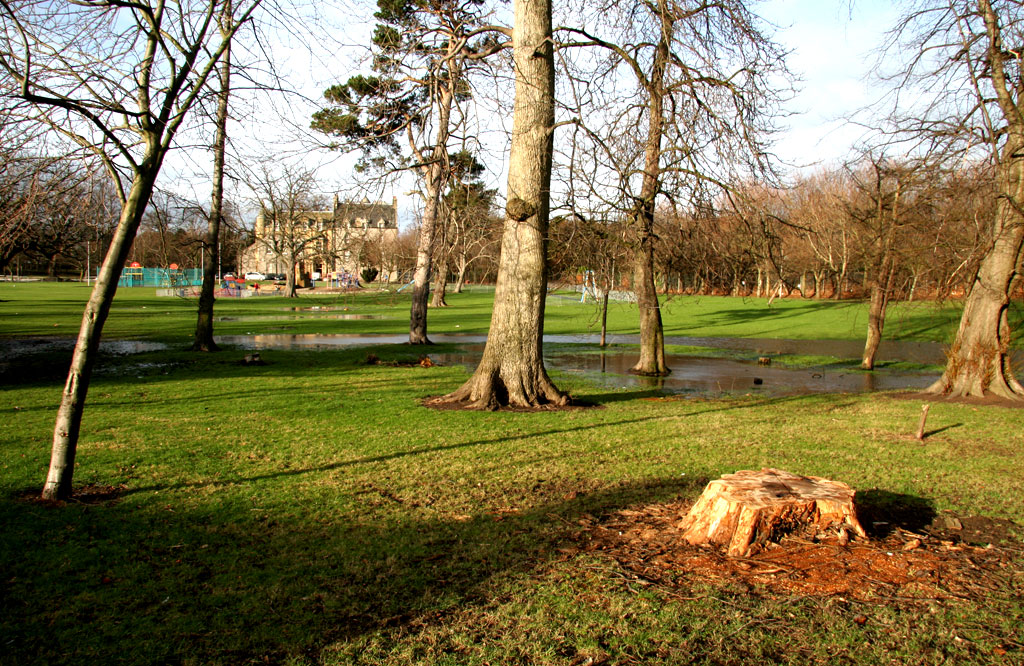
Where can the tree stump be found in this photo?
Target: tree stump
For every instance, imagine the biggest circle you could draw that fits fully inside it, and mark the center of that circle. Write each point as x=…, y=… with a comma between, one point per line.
x=747, y=508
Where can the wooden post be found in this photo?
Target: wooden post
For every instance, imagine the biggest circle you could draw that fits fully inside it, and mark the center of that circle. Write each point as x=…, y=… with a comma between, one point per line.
x=924, y=417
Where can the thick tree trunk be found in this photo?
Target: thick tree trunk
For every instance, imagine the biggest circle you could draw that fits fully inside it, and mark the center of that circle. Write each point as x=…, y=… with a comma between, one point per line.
x=511, y=371
x=203, y=338
x=291, y=289
x=69, y=415
x=604, y=316
x=435, y=174
x=978, y=361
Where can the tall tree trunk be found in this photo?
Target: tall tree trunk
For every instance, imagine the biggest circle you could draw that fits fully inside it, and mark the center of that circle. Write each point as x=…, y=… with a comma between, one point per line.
x=440, y=285
x=435, y=174
x=203, y=338
x=460, y=281
x=978, y=361
x=881, y=289
x=652, y=335
x=69, y=415
x=511, y=371
x=444, y=259
x=424, y=256
x=604, y=315
x=291, y=288
x=884, y=274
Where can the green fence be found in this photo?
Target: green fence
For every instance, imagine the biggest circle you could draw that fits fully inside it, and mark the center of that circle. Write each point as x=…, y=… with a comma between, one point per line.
x=160, y=277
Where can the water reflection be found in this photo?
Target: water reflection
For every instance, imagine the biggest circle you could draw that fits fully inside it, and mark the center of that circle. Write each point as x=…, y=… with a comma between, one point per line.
x=690, y=374
x=611, y=368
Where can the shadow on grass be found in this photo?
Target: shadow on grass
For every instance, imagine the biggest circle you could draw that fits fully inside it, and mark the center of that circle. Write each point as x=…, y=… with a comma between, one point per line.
x=881, y=511
x=223, y=582
x=383, y=458
x=936, y=431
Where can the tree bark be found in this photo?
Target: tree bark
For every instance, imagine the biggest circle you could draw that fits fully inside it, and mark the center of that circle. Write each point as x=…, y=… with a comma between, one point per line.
x=511, y=372
x=424, y=256
x=435, y=174
x=881, y=285
x=69, y=415
x=652, y=335
x=203, y=338
x=440, y=285
x=460, y=281
x=880, y=292
x=978, y=361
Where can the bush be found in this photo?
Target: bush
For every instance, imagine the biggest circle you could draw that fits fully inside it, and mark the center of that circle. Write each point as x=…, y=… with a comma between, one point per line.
x=369, y=274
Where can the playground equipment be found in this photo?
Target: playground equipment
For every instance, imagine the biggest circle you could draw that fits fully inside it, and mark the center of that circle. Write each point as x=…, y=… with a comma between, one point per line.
x=171, y=277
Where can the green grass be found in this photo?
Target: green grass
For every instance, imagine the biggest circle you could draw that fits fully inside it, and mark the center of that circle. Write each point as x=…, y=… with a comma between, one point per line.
x=36, y=309
x=310, y=511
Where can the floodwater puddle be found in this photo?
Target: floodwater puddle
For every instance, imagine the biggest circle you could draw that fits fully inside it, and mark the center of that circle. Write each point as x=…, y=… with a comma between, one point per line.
x=690, y=374
x=25, y=346
x=697, y=375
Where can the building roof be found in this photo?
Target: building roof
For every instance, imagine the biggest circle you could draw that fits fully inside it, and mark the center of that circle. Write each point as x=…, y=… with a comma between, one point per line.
x=365, y=210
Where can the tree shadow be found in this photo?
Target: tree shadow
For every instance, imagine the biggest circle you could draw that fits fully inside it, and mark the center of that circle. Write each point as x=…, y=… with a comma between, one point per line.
x=936, y=431
x=881, y=511
x=342, y=464
x=223, y=582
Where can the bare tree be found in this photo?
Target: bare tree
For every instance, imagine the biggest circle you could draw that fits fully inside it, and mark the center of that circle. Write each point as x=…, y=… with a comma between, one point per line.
x=465, y=205
x=707, y=78
x=117, y=79
x=203, y=340
x=884, y=206
x=966, y=74
x=285, y=227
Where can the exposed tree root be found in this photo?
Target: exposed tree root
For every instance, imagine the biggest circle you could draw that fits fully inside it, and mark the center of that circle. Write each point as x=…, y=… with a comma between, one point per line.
x=643, y=372
x=978, y=375
x=490, y=391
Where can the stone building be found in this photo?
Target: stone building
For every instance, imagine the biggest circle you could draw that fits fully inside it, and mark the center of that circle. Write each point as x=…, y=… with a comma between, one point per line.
x=334, y=244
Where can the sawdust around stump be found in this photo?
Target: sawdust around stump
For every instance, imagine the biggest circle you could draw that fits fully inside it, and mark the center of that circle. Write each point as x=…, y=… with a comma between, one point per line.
x=966, y=561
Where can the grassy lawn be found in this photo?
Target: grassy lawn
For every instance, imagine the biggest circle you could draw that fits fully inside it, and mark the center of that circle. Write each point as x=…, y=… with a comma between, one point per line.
x=34, y=309
x=310, y=511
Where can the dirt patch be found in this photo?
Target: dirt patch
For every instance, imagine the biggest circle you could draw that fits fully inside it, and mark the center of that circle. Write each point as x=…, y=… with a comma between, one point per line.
x=90, y=493
x=952, y=557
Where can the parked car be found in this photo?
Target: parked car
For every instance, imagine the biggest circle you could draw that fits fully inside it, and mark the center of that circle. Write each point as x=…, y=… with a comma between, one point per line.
x=255, y=275
x=228, y=276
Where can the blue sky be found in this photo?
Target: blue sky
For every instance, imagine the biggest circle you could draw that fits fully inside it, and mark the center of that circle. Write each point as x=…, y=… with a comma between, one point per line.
x=833, y=44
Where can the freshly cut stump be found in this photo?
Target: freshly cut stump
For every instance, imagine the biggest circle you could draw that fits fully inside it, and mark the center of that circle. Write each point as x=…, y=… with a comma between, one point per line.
x=747, y=508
